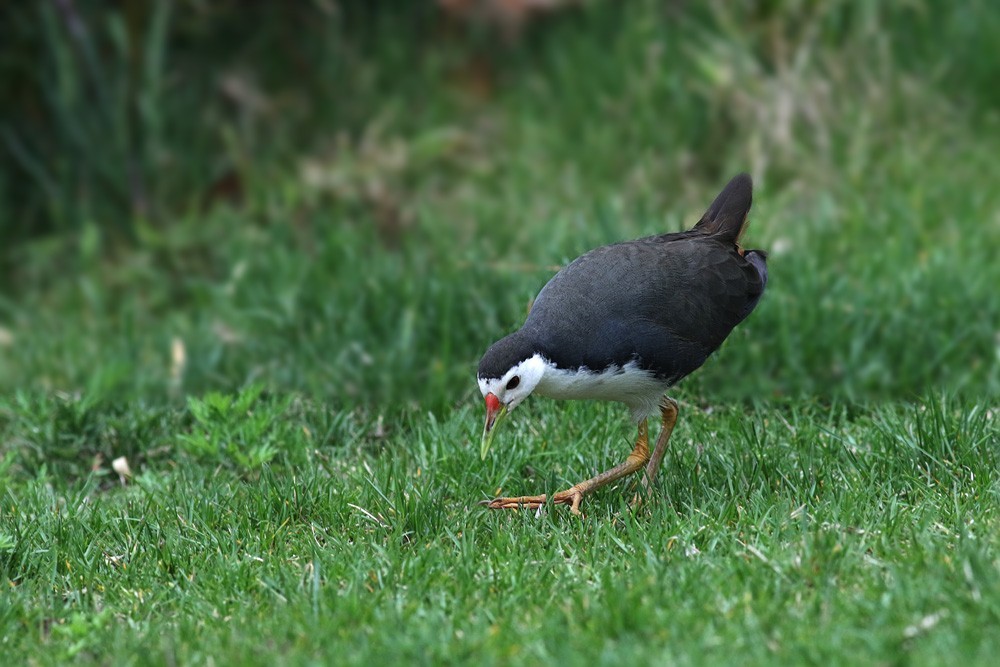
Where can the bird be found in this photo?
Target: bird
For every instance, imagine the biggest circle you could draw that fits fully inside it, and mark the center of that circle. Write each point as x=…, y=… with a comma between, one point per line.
x=625, y=322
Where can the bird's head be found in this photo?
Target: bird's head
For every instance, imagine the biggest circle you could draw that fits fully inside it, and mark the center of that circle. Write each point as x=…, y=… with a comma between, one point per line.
x=504, y=387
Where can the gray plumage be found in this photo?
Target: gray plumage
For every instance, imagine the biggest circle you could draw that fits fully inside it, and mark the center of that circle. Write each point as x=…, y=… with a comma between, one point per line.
x=665, y=302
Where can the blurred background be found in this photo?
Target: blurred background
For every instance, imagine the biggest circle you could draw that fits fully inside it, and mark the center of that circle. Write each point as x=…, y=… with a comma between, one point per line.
x=351, y=200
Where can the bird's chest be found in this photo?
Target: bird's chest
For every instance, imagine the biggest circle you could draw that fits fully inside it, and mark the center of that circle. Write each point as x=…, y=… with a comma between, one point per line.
x=629, y=384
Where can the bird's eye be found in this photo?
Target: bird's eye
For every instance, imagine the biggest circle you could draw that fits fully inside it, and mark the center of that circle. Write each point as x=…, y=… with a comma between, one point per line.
x=512, y=384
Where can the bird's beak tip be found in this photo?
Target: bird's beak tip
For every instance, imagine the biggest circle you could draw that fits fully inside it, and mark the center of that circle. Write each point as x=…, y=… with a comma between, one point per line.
x=495, y=412
x=484, y=445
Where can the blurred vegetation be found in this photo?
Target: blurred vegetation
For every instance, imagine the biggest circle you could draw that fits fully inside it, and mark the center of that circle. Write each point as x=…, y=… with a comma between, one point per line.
x=253, y=251
x=352, y=201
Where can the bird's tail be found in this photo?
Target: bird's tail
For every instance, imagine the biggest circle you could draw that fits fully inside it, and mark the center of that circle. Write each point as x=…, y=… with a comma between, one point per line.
x=727, y=216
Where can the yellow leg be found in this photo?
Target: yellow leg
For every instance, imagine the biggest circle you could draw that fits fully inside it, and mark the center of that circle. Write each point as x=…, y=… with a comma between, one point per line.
x=574, y=495
x=668, y=415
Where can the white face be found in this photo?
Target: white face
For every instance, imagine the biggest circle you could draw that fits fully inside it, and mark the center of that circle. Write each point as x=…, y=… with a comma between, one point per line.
x=517, y=383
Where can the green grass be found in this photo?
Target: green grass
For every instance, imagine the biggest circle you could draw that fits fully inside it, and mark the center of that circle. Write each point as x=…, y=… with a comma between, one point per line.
x=792, y=534
x=290, y=372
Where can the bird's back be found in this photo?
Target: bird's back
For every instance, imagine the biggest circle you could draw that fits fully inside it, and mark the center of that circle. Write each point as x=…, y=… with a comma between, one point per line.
x=665, y=302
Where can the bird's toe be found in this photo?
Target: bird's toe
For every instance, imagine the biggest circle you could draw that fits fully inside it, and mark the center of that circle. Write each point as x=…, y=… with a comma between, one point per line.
x=518, y=503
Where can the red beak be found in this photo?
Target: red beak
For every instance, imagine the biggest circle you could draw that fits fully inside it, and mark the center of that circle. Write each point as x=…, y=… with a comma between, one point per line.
x=495, y=412
x=492, y=410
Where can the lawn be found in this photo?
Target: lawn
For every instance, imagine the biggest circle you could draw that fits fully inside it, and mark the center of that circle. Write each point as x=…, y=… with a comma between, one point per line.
x=275, y=321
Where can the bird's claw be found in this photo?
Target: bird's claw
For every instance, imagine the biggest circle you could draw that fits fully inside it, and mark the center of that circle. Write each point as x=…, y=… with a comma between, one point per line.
x=571, y=497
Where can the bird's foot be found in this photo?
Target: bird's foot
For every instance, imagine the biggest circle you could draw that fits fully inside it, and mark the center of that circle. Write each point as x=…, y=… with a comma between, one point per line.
x=571, y=497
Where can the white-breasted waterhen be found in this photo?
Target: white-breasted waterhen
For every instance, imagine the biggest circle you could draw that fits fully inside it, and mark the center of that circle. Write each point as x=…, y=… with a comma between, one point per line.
x=625, y=322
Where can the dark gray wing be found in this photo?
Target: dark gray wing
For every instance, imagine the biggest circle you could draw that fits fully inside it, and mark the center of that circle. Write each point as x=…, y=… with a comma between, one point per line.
x=667, y=302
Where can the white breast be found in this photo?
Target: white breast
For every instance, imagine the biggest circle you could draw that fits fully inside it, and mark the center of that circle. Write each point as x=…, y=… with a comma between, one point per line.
x=640, y=390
